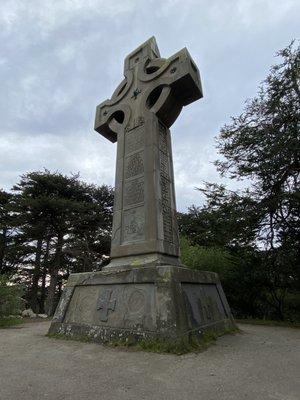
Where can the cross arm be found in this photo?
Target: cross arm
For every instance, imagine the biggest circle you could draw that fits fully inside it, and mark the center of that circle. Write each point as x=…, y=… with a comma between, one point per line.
x=173, y=83
x=111, y=114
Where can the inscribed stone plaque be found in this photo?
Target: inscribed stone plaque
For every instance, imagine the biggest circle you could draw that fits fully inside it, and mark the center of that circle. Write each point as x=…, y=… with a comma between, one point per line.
x=134, y=225
x=134, y=140
x=134, y=191
x=134, y=165
x=204, y=304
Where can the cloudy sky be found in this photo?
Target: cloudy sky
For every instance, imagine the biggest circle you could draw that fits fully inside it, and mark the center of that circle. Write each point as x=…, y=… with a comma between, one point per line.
x=60, y=58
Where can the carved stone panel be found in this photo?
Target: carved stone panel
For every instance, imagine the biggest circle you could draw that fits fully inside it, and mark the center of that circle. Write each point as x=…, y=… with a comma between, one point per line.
x=134, y=225
x=134, y=165
x=119, y=305
x=166, y=208
x=80, y=309
x=164, y=165
x=134, y=140
x=203, y=303
x=168, y=224
x=134, y=191
x=163, y=139
x=106, y=303
x=139, y=301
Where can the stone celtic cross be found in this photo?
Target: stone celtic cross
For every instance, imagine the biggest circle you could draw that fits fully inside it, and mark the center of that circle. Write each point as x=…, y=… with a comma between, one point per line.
x=163, y=299
x=138, y=117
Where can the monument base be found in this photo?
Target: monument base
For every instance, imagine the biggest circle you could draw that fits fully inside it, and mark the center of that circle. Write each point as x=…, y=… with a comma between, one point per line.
x=165, y=302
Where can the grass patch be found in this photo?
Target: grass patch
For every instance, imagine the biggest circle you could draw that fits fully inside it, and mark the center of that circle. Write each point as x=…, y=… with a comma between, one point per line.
x=10, y=321
x=156, y=345
x=178, y=347
x=266, y=322
x=62, y=336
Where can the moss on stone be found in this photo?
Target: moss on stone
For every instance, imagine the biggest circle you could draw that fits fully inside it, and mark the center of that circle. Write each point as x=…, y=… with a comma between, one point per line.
x=184, y=345
x=192, y=344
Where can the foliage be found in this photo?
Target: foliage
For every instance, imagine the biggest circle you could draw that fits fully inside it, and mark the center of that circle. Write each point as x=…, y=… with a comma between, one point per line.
x=214, y=259
x=262, y=145
x=6, y=322
x=52, y=225
x=205, y=226
x=10, y=297
x=10, y=251
x=260, y=226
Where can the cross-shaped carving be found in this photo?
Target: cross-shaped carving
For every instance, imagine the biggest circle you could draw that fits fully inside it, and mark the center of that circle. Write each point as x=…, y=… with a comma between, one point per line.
x=138, y=115
x=106, y=304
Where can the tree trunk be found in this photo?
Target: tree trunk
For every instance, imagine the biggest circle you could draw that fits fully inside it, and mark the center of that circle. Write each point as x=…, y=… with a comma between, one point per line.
x=44, y=276
x=2, y=249
x=33, y=299
x=54, y=276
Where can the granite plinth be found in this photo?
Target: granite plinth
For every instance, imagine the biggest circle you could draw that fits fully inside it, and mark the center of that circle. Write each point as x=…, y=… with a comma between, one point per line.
x=165, y=302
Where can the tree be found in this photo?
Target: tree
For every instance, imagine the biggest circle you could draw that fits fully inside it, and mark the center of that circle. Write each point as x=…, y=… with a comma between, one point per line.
x=262, y=144
x=11, y=252
x=62, y=220
x=4, y=230
x=90, y=235
x=260, y=225
x=226, y=219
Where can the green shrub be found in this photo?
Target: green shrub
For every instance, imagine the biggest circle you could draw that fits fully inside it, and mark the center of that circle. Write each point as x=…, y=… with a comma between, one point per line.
x=205, y=258
x=10, y=297
x=6, y=322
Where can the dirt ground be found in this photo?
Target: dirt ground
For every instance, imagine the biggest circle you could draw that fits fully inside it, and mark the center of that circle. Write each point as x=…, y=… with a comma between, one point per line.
x=260, y=363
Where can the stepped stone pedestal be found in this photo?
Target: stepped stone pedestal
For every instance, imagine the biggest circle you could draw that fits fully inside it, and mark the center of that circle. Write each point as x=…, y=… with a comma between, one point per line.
x=165, y=302
x=145, y=292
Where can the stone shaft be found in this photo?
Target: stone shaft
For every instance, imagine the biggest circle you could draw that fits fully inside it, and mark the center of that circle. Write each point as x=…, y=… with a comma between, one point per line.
x=144, y=209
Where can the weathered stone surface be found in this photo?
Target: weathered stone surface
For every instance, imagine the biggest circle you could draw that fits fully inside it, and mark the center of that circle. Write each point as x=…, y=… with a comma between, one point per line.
x=167, y=301
x=63, y=304
x=145, y=291
x=129, y=306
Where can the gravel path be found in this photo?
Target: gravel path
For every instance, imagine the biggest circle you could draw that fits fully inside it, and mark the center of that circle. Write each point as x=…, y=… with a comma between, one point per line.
x=259, y=364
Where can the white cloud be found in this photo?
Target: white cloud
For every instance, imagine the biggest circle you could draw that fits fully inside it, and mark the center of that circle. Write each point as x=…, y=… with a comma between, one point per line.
x=93, y=157
x=60, y=58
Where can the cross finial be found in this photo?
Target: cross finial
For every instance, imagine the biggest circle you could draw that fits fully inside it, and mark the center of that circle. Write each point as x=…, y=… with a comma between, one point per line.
x=146, y=51
x=162, y=86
